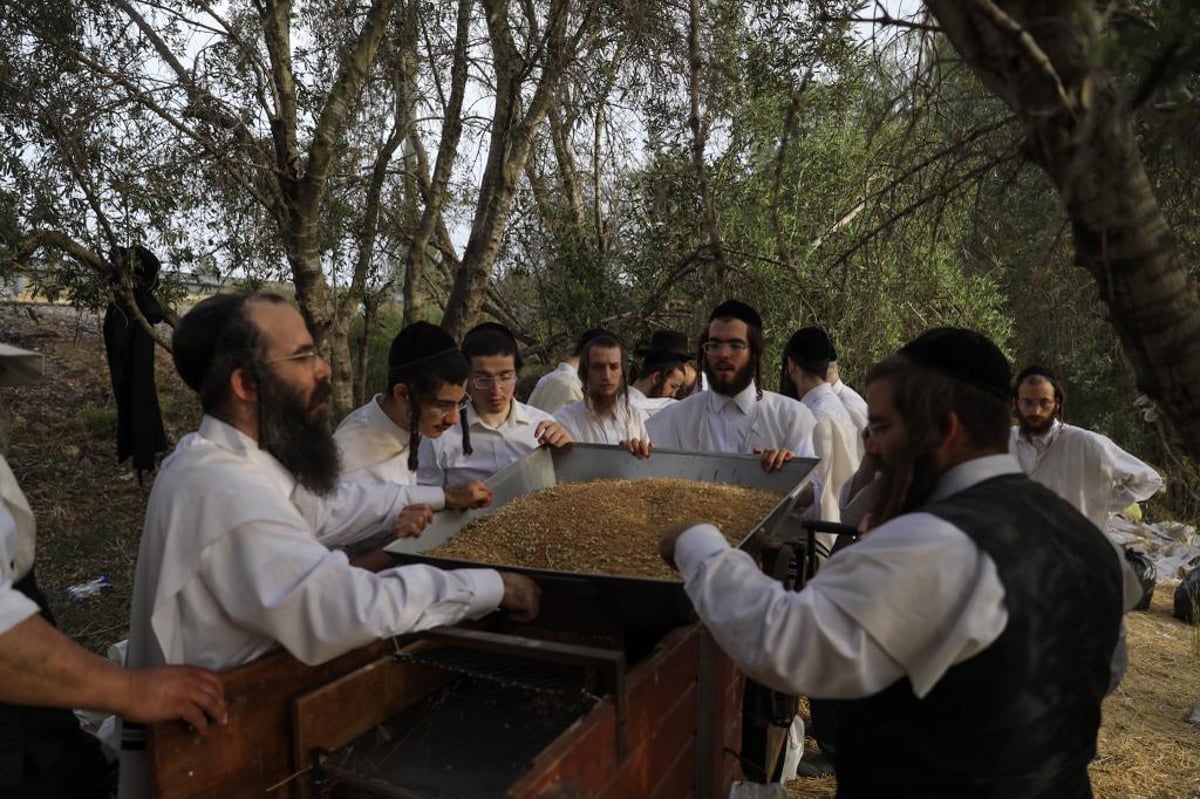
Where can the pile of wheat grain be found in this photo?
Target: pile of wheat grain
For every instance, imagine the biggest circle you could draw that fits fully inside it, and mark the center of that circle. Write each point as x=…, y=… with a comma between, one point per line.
x=604, y=526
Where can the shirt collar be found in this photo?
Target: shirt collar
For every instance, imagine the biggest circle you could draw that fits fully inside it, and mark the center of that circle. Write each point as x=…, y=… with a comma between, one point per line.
x=229, y=438
x=814, y=394
x=744, y=399
x=516, y=415
x=636, y=394
x=972, y=472
x=378, y=419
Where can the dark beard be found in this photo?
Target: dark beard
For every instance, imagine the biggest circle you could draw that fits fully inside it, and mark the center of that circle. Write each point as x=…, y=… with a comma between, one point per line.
x=1030, y=430
x=905, y=486
x=290, y=429
x=742, y=378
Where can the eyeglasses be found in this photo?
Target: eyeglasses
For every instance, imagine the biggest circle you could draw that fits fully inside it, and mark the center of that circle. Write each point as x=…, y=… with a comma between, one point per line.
x=1042, y=404
x=485, y=382
x=309, y=357
x=446, y=407
x=714, y=345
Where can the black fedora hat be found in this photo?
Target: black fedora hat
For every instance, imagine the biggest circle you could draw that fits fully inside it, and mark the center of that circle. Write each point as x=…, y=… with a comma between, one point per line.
x=670, y=343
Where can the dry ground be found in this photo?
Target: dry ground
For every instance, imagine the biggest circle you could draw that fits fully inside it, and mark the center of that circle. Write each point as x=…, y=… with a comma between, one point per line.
x=89, y=512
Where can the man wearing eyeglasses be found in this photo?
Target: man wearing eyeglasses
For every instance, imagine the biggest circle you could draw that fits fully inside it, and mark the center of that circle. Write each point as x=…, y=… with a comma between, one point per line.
x=499, y=429
x=1085, y=468
x=735, y=414
x=228, y=568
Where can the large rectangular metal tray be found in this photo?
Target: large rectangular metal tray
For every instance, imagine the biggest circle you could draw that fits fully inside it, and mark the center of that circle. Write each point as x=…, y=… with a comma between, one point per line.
x=637, y=601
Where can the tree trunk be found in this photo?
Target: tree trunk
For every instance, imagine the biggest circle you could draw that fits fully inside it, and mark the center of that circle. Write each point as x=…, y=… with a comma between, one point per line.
x=1043, y=61
x=511, y=142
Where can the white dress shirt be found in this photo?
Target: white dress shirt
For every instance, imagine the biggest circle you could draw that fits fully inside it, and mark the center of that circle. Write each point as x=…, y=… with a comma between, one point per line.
x=710, y=422
x=623, y=423
x=912, y=599
x=836, y=443
x=651, y=405
x=556, y=389
x=443, y=462
x=17, y=531
x=228, y=569
x=855, y=405
x=1086, y=469
x=373, y=447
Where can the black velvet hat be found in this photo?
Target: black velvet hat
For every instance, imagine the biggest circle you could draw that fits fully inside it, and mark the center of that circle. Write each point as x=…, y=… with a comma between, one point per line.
x=811, y=344
x=418, y=344
x=736, y=309
x=666, y=345
x=964, y=355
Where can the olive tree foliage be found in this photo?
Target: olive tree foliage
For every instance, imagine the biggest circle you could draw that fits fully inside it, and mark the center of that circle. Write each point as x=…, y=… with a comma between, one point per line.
x=1054, y=67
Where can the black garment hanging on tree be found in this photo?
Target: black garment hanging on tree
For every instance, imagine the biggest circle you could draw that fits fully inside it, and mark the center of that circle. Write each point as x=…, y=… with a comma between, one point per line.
x=131, y=361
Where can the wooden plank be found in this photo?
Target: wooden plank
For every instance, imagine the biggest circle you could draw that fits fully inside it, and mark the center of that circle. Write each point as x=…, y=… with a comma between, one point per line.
x=677, y=780
x=254, y=751
x=338, y=712
x=584, y=756
x=671, y=733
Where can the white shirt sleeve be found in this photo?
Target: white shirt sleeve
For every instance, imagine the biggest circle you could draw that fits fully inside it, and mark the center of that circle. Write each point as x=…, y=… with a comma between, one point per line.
x=358, y=510
x=15, y=607
x=1132, y=479
x=910, y=601
x=273, y=579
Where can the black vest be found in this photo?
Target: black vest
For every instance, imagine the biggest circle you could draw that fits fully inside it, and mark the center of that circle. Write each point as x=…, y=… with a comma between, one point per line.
x=1020, y=718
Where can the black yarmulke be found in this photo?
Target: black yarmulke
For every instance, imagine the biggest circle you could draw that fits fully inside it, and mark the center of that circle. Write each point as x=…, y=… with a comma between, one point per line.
x=198, y=334
x=489, y=328
x=418, y=343
x=964, y=355
x=736, y=309
x=811, y=344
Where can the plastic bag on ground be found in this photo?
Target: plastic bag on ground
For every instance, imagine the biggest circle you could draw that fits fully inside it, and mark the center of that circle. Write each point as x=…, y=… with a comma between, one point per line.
x=1146, y=573
x=1187, y=597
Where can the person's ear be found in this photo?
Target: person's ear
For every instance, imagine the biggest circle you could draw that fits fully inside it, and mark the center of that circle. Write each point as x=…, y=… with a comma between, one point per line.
x=400, y=392
x=243, y=385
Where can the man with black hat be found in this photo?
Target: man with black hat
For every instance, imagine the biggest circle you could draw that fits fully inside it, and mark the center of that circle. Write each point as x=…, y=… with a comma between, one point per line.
x=425, y=397
x=663, y=371
x=499, y=430
x=562, y=386
x=803, y=372
x=735, y=414
x=971, y=634
x=1083, y=467
x=228, y=568
x=44, y=754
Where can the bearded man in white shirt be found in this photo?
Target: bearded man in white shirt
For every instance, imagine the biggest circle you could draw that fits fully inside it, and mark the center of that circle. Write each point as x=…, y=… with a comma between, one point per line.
x=228, y=568
x=605, y=415
x=44, y=754
x=499, y=429
x=1083, y=467
x=561, y=386
x=663, y=371
x=972, y=634
x=735, y=414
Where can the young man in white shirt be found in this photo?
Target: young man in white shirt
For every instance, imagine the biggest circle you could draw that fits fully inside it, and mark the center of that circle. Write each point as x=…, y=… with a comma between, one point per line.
x=735, y=414
x=1083, y=467
x=662, y=373
x=561, y=386
x=855, y=405
x=836, y=441
x=499, y=430
x=44, y=754
x=228, y=568
x=972, y=634
x=605, y=415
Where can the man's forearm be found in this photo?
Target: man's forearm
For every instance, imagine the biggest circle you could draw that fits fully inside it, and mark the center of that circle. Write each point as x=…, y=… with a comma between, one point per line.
x=41, y=666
